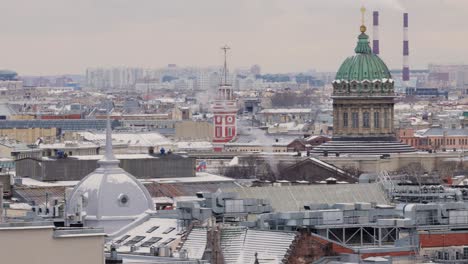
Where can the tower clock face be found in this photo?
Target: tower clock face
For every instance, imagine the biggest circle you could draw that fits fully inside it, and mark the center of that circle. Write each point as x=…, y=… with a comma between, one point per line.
x=230, y=119
x=218, y=119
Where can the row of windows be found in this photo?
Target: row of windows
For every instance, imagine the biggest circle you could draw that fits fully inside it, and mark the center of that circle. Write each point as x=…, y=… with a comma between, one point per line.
x=449, y=141
x=254, y=150
x=439, y=141
x=365, y=119
x=458, y=255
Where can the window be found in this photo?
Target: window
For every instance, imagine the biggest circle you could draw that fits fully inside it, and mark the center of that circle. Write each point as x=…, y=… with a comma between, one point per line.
x=345, y=119
x=377, y=121
x=365, y=120
x=150, y=242
x=465, y=253
x=386, y=123
x=152, y=229
x=167, y=242
x=229, y=131
x=122, y=239
x=167, y=231
x=355, y=119
x=123, y=199
x=134, y=240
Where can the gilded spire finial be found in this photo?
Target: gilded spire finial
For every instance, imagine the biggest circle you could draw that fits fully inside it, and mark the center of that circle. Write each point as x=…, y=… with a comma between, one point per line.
x=363, y=20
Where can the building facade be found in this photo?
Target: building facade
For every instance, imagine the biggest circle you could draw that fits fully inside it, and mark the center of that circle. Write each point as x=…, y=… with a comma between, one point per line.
x=363, y=95
x=435, y=138
x=363, y=106
x=46, y=244
x=224, y=112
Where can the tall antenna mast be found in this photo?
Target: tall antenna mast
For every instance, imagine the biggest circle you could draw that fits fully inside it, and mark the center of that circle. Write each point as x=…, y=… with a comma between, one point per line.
x=225, y=70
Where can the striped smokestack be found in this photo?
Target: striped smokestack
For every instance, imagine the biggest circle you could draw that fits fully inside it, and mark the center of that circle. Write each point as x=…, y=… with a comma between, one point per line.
x=406, y=70
x=375, y=42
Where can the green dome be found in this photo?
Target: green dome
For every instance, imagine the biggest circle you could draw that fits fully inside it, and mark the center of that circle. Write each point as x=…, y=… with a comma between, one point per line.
x=365, y=65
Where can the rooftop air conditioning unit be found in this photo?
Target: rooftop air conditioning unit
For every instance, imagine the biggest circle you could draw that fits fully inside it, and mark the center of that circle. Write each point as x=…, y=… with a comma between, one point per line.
x=154, y=251
x=164, y=251
x=134, y=248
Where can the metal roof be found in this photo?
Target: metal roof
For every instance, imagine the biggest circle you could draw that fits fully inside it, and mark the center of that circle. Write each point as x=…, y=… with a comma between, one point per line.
x=196, y=243
x=364, y=65
x=437, y=131
x=291, y=198
x=185, y=189
x=40, y=194
x=152, y=232
x=239, y=245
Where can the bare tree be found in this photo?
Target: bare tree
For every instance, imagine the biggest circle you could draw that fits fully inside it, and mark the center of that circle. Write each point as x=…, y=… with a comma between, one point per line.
x=448, y=168
x=414, y=171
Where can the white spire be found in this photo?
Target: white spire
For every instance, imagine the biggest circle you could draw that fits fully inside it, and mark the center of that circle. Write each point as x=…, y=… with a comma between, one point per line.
x=109, y=155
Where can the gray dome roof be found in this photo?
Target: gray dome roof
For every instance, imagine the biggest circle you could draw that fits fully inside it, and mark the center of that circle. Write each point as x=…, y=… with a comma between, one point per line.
x=109, y=193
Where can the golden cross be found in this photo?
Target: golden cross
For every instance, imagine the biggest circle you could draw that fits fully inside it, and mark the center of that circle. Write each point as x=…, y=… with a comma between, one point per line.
x=363, y=12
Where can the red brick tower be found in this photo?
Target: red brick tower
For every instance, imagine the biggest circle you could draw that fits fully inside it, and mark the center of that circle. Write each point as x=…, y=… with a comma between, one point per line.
x=224, y=111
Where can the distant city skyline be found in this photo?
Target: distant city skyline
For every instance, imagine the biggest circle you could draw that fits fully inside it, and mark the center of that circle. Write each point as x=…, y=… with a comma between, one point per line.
x=65, y=37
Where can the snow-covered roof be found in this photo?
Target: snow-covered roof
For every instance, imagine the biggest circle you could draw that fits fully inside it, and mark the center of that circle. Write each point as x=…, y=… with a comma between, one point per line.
x=35, y=183
x=286, y=111
x=240, y=245
x=262, y=140
x=99, y=157
x=132, y=139
x=69, y=145
x=194, y=145
x=289, y=126
x=152, y=232
x=199, y=178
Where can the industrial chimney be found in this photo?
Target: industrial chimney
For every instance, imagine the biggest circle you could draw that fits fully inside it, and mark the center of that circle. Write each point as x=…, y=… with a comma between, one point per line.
x=375, y=42
x=406, y=70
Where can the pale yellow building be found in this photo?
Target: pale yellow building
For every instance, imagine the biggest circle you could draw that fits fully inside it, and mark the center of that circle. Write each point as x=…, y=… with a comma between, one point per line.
x=40, y=243
x=194, y=130
x=29, y=135
x=22, y=117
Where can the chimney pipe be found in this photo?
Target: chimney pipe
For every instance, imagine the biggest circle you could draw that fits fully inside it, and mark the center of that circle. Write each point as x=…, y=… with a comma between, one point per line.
x=406, y=69
x=376, y=42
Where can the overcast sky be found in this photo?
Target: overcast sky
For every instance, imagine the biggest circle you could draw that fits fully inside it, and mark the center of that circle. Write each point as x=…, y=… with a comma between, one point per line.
x=67, y=36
